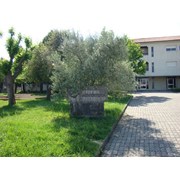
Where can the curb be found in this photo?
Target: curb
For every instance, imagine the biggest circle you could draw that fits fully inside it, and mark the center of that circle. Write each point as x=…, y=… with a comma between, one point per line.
x=112, y=130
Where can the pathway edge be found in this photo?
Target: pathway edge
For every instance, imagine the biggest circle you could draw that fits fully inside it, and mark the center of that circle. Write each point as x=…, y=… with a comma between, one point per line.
x=106, y=140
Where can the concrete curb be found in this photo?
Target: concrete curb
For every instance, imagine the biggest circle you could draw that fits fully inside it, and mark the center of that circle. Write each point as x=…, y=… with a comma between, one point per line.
x=111, y=132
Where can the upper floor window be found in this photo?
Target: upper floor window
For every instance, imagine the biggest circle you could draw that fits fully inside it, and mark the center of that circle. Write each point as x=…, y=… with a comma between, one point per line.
x=147, y=66
x=171, y=48
x=152, y=66
x=144, y=50
x=152, y=51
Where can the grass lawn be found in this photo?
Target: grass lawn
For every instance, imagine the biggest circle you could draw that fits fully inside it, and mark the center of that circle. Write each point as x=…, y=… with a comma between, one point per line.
x=41, y=128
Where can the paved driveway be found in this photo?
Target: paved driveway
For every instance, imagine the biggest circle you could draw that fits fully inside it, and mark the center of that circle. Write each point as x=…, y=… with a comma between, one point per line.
x=150, y=126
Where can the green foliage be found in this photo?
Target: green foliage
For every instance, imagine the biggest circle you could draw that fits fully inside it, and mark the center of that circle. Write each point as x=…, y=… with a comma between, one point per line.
x=5, y=66
x=39, y=69
x=135, y=57
x=54, y=40
x=13, y=44
x=1, y=76
x=19, y=50
x=95, y=61
x=34, y=128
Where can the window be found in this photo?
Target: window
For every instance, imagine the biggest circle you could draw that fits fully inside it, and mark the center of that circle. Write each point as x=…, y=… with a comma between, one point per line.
x=152, y=51
x=171, y=82
x=143, y=83
x=147, y=66
x=171, y=48
x=152, y=67
x=144, y=50
x=152, y=83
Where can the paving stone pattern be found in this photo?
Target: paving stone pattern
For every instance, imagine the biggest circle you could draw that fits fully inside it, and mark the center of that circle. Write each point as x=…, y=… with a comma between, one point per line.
x=150, y=126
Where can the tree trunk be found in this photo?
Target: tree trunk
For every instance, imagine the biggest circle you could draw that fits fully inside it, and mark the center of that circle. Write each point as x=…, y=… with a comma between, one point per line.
x=48, y=95
x=41, y=87
x=16, y=87
x=10, y=89
x=24, y=88
x=1, y=87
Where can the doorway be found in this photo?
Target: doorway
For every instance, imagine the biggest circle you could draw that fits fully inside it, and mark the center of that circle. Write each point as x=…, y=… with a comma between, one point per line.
x=143, y=83
x=171, y=83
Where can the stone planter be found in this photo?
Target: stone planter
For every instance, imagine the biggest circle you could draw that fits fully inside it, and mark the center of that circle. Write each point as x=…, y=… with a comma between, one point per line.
x=89, y=103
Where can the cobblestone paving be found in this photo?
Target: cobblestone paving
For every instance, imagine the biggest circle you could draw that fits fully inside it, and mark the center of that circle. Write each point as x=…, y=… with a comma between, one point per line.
x=150, y=126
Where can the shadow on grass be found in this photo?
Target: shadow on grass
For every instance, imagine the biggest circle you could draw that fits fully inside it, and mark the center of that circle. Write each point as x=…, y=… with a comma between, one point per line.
x=140, y=136
x=84, y=136
x=91, y=128
x=61, y=105
x=84, y=125
x=10, y=111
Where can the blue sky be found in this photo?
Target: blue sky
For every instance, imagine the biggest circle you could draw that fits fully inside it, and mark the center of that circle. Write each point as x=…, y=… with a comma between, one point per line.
x=134, y=18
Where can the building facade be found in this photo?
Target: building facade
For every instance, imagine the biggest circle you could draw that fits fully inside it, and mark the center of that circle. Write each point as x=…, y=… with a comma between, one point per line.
x=162, y=55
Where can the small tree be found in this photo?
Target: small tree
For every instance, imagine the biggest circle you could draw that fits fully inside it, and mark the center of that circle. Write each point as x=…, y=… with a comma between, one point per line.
x=19, y=50
x=135, y=57
x=39, y=69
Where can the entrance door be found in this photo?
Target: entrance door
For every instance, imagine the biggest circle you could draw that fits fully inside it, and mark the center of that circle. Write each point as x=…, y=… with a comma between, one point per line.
x=171, y=83
x=143, y=83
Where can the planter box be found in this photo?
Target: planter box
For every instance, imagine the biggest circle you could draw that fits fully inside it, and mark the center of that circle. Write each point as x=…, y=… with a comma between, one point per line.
x=89, y=103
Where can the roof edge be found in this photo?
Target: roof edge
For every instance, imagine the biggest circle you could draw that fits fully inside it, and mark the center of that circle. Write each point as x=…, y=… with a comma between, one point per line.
x=157, y=39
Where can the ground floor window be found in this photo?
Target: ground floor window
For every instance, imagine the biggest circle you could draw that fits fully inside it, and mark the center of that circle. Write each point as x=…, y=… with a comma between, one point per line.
x=153, y=83
x=143, y=83
x=171, y=82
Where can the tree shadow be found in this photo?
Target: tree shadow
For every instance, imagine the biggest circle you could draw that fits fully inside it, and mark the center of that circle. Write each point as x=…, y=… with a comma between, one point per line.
x=142, y=100
x=138, y=137
x=58, y=106
x=10, y=111
x=83, y=135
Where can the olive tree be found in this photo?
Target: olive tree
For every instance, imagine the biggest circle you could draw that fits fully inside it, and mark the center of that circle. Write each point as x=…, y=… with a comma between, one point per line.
x=94, y=61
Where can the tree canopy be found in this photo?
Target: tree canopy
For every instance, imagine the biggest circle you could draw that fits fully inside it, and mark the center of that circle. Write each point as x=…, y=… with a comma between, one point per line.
x=135, y=57
x=40, y=67
x=94, y=61
x=72, y=63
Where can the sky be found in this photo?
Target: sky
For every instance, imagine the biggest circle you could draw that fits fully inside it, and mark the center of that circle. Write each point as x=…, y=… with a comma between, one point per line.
x=134, y=18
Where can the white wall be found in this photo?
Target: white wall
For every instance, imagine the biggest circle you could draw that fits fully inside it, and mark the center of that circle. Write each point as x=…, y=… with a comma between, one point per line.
x=162, y=59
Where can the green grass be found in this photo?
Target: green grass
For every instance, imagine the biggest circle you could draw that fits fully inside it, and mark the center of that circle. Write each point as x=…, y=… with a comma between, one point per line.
x=3, y=94
x=34, y=128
